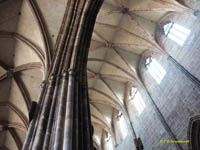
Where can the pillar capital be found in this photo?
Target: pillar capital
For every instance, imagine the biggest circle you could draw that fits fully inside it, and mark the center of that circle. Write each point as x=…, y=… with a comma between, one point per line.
x=43, y=83
x=71, y=72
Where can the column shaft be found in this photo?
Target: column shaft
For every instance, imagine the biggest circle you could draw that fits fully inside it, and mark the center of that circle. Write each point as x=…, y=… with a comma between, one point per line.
x=63, y=119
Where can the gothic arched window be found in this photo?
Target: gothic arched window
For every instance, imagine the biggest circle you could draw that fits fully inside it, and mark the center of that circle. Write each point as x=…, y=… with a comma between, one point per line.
x=155, y=69
x=136, y=98
x=108, y=136
x=122, y=125
x=108, y=144
x=176, y=32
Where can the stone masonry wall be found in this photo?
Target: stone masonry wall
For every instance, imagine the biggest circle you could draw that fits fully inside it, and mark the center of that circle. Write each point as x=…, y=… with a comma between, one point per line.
x=178, y=100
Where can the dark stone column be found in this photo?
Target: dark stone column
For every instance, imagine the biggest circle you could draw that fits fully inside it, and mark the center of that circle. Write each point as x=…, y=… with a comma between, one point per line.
x=62, y=118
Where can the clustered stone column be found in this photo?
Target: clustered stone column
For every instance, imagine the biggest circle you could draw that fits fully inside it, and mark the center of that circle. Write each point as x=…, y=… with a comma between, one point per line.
x=62, y=118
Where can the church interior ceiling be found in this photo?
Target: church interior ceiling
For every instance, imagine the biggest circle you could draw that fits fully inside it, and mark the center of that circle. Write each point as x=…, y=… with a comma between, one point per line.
x=124, y=30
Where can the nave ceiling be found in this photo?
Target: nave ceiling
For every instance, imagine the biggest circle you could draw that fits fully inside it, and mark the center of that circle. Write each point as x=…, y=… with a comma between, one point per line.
x=124, y=30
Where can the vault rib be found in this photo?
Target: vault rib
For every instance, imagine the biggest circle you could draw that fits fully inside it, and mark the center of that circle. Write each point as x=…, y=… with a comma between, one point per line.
x=104, y=102
x=98, y=147
x=137, y=24
x=114, y=65
x=24, y=67
x=43, y=30
x=109, y=97
x=107, y=85
x=31, y=45
x=23, y=91
x=13, y=125
x=16, y=138
x=105, y=125
x=16, y=111
x=11, y=72
x=130, y=33
x=114, y=11
x=111, y=76
x=110, y=45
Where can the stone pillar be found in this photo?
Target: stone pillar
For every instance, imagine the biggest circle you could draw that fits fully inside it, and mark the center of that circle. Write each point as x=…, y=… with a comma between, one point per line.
x=62, y=118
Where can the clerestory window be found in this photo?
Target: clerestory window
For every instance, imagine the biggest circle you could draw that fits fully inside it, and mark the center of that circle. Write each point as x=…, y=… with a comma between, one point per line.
x=108, y=136
x=122, y=125
x=155, y=69
x=137, y=100
x=176, y=32
x=108, y=144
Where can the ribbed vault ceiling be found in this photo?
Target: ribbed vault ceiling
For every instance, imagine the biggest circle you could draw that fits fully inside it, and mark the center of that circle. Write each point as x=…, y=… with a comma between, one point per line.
x=124, y=30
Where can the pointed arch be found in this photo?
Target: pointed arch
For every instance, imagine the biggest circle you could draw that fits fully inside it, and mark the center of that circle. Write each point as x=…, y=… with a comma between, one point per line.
x=17, y=112
x=43, y=30
x=27, y=42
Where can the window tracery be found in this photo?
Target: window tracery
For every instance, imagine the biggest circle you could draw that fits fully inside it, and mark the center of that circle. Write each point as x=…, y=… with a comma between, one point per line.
x=137, y=100
x=176, y=32
x=155, y=69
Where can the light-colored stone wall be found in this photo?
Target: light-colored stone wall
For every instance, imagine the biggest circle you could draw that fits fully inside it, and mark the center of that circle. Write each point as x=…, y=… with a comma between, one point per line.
x=176, y=96
x=178, y=100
